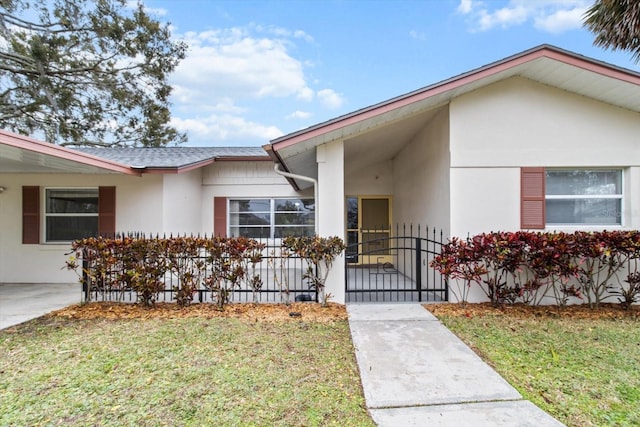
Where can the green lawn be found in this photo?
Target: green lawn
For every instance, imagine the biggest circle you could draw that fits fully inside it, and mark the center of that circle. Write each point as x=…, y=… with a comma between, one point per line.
x=583, y=372
x=176, y=372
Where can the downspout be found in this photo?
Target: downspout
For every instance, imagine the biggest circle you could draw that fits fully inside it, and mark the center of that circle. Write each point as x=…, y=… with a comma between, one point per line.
x=276, y=168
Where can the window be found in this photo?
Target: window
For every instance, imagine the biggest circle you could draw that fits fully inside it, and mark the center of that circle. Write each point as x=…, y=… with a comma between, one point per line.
x=583, y=197
x=70, y=214
x=271, y=218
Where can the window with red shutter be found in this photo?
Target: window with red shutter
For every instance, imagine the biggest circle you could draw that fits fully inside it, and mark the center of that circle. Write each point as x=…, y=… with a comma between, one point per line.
x=67, y=214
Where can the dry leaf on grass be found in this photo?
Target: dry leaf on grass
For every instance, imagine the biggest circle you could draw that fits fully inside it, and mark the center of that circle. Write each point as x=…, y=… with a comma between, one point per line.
x=316, y=313
x=605, y=311
x=253, y=312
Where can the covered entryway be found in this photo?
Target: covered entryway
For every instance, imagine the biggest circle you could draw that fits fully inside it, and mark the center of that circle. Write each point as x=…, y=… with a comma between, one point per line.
x=394, y=267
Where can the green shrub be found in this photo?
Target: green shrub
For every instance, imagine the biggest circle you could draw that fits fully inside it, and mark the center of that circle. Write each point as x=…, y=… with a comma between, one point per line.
x=319, y=254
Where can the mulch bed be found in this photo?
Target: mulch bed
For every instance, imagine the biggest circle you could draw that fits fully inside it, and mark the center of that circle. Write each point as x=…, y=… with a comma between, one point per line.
x=251, y=312
x=605, y=311
x=314, y=312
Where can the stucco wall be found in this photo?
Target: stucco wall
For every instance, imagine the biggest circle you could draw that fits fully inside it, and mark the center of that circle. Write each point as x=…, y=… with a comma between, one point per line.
x=138, y=208
x=519, y=122
x=421, y=177
x=371, y=180
x=182, y=207
x=484, y=199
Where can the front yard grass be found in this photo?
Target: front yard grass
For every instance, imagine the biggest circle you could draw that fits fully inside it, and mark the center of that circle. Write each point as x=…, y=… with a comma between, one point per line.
x=583, y=371
x=179, y=372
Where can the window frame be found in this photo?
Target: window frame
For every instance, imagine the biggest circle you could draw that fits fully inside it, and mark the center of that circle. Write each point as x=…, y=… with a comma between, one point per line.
x=620, y=196
x=46, y=214
x=272, y=216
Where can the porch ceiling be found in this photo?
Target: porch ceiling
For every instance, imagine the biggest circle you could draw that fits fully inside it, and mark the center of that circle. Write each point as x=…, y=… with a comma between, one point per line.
x=369, y=142
x=378, y=132
x=383, y=143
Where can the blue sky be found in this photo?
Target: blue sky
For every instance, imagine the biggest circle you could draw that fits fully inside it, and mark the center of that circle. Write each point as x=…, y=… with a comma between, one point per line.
x=257, y=70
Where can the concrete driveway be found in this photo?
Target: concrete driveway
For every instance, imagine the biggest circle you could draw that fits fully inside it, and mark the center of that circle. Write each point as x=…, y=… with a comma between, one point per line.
x=26, y=301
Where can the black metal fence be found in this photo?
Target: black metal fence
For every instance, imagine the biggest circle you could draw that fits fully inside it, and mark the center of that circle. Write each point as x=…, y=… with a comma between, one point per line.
x=281, y=277
x=395, y=267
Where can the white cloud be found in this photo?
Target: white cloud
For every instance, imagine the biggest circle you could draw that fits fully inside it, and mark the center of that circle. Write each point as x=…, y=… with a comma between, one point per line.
x=234, y=64
x=552, y=16
x=299, y=115
x=465, y=6
x=228, y=72
x=330, y=98
x=282, y=32
x=505, y=17
x=213, y=129
x=417, y=35
x=562, y=20
x=299, y=34
x=306, y=94
x=133, y=4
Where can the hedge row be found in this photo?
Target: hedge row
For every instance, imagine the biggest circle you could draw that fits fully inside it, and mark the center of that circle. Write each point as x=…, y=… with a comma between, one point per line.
x=528, y=267
x=219, y=264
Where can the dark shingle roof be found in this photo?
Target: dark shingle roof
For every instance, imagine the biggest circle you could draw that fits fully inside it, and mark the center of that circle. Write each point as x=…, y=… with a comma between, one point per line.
x=170, y=157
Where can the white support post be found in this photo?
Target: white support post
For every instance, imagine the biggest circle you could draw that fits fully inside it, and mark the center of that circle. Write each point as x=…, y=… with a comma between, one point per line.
x=330, y=158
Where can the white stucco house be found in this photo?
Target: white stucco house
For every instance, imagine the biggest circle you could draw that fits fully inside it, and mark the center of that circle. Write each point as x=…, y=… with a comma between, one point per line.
x=544, y=139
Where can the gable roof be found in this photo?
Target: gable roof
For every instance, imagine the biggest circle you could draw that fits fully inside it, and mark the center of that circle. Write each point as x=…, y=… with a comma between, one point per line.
x=174, y=159
x=21, y=154
x=546, y=64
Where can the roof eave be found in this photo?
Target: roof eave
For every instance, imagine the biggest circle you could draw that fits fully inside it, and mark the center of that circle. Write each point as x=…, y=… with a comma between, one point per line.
x=243, y=159
x=197, y=165
x=47, y=149
x=275, y=157
x=455, y=82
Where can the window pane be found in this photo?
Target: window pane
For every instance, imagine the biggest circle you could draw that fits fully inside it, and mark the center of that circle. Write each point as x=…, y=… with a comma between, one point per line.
x=253, y=217
x=352, y=213
x=251, y=232
x=72, y=201
x=584, y=182
x=294, y=205
x=255, y=205
x=294, y=231
x=352, y=248
x=68, y=228
x=294, y=219
x=249, y=219
x=584, y=211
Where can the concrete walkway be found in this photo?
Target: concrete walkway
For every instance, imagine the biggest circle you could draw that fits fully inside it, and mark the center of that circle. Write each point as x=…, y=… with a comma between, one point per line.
x=415, y=372
x=26, y=301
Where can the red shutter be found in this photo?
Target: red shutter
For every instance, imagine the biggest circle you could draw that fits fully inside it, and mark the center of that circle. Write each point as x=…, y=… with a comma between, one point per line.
x=107, y=211
x=220, y=216
x=532, y=201
x=30, y=215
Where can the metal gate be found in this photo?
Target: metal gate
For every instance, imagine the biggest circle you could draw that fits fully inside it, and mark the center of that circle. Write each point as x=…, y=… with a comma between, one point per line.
x=395, y=269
